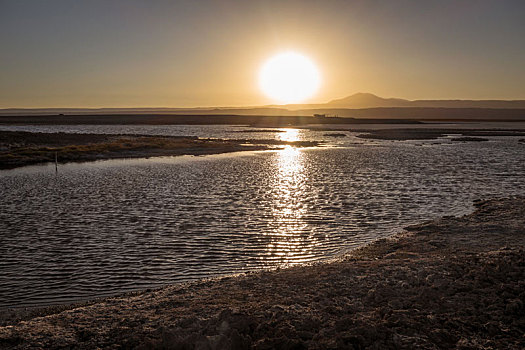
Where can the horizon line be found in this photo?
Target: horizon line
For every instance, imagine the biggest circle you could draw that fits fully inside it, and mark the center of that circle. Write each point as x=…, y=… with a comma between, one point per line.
x=275, y=105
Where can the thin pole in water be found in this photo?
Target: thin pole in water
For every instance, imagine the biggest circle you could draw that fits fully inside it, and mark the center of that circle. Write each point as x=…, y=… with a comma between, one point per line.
x=56, y=162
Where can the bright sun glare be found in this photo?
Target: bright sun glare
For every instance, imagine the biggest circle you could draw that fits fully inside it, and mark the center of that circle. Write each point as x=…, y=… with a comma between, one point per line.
x=289, y=77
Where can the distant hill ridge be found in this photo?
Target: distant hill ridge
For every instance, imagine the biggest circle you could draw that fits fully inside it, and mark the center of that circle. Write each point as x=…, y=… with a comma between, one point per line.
x=368, y=100
x=360, y=105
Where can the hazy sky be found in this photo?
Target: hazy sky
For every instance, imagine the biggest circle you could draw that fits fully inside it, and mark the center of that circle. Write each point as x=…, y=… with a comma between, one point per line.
x=201, y=53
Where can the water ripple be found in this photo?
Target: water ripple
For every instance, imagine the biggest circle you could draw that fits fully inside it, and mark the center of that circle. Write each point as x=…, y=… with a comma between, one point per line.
x=102, y=228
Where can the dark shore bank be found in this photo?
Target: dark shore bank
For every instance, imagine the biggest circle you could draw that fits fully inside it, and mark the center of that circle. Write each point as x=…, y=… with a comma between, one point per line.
x=266, y=115
x=431, y=134
x=24, y=148
x=192, y=119
x=448, y=283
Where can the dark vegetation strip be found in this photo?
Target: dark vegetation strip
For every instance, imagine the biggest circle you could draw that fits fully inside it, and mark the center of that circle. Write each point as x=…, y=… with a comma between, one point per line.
x=24, y=148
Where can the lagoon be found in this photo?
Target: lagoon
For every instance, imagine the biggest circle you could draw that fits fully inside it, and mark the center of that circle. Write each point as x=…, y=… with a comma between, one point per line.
x=107, y=227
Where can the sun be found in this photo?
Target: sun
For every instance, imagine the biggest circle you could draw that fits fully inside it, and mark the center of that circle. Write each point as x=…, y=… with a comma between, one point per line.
x=289, y=77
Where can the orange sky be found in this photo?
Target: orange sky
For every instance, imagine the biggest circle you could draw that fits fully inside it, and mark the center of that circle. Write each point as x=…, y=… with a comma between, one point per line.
x=208, y=53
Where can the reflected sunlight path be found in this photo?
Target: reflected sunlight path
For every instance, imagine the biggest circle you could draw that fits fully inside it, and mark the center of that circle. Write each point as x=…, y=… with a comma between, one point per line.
x=291, y=240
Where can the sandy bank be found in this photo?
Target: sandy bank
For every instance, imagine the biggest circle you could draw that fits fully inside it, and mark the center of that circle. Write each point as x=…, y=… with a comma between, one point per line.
x=448, y=283
x=24, y=148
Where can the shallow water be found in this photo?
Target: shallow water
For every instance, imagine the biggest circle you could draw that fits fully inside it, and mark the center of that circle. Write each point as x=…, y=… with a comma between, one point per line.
x=106, y=227
x=246, y=132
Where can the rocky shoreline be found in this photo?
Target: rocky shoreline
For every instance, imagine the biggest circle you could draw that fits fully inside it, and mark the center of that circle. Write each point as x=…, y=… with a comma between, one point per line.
x=448, y=283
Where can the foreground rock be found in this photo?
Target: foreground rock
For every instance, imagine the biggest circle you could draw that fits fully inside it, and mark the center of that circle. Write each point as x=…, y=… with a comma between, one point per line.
x=449, y=283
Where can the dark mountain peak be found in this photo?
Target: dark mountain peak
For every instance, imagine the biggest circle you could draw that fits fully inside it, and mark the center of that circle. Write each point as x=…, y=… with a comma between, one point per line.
x=364, y=95
x=359, y=96
x=367, y=100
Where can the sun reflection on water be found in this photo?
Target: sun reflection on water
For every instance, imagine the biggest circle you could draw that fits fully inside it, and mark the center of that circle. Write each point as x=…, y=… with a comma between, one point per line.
x=289, y=135
x=290, y=243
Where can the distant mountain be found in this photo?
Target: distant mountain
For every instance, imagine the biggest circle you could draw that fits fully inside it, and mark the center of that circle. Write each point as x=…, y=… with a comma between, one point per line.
x=360, y=105
x=367, y=100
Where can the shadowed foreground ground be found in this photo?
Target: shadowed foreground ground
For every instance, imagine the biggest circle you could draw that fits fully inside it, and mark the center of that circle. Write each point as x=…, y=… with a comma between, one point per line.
x=449, y=283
